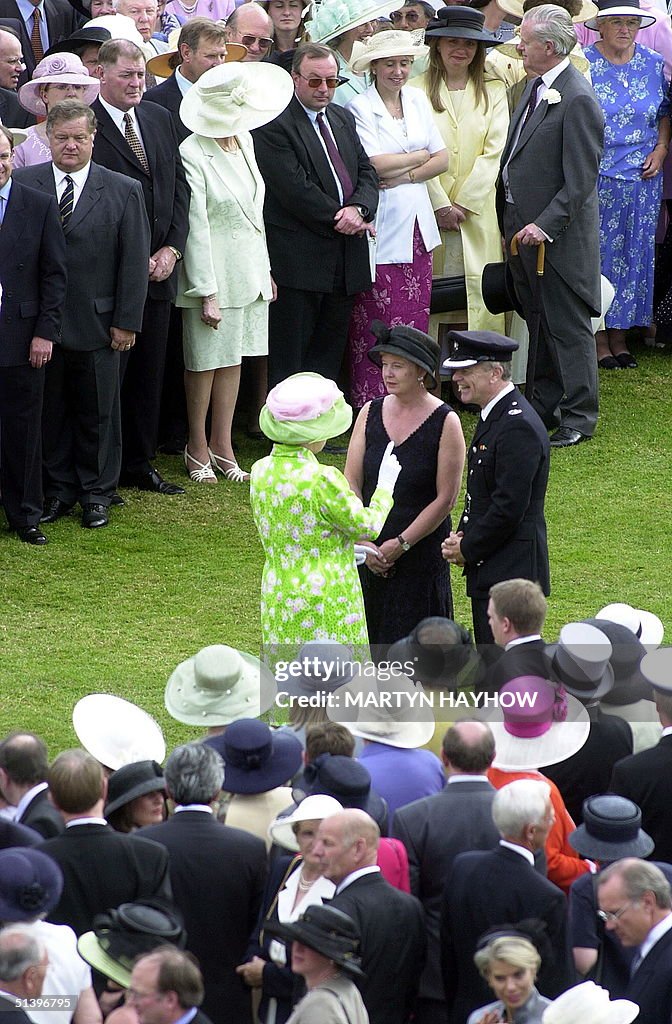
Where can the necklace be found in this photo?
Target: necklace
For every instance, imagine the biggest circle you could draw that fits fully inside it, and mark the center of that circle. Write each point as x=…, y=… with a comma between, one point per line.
x=188, y=8
x=305, y=884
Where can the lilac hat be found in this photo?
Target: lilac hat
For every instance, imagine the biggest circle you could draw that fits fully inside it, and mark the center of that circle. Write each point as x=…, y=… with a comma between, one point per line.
x=535, y=724
x=58, y=69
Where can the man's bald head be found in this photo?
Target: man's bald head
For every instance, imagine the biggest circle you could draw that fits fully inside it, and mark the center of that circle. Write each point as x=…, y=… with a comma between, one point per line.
x=468, y=748
x=346, y=842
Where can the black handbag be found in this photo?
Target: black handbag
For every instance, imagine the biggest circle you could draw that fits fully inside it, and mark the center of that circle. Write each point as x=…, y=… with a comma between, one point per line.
x=448, y=295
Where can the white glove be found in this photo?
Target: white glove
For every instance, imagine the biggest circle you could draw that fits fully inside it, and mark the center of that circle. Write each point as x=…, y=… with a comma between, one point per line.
x=390, y=468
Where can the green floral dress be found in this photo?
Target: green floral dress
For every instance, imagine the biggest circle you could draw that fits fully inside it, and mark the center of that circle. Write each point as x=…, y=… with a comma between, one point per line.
x=308, y=520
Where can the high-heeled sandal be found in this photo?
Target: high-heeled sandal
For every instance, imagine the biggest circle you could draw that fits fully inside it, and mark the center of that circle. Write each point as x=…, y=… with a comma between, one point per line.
x=233, y=473
x=203, y=474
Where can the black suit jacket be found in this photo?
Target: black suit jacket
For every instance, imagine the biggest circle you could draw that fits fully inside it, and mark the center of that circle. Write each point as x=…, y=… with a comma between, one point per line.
x=434, y=830
x=102, y=869
x=526, y=659
x=488, y=888
x=392, y=945
x=32, y=273
x=165, y=187
x=302, y=199
x=107, y=246
x=503, y=521
x=646, y=778
x=62, y=21
x=218, y=875
x=168, y=95
x=651, y=985
x=41, y=815
x=12, y=113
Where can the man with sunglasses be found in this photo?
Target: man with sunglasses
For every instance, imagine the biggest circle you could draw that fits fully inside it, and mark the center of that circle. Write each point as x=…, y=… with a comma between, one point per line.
x=321, y=198
x=412, y=15
x=252, y=27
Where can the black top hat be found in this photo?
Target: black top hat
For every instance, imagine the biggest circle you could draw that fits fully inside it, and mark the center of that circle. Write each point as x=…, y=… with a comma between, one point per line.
x=460, y=23
x=408, y=343
x=79, y=40
x=626, y=658
x=327, y=931
x=131, y=781
x=471, y=347
x=611, y=829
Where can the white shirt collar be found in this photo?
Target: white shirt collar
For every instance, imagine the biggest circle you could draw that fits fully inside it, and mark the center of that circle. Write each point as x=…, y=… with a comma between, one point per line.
x=550, y=76
x=193, y=807
x=85, y=821
x=654, y=936
x=118, y=115
x=467, y=778
x=522, y=640
x=183, y=84
x=27, y=797
x=372, y=870
x=78, y=177
x=487, y=409
x=667, y=731
x=527, y=854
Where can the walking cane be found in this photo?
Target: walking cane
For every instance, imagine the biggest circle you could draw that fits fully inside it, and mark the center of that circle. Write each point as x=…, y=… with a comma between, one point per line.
x=534, y=322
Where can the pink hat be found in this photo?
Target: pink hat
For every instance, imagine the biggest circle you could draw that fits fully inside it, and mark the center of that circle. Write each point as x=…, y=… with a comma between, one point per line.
x=58, y=69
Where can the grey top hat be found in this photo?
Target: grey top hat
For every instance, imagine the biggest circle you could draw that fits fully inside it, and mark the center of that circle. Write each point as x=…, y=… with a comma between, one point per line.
x=611, y=829
x=580, y=660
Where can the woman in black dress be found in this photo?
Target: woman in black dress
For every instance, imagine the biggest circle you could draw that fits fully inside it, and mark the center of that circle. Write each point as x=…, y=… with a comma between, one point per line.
x=404, y=580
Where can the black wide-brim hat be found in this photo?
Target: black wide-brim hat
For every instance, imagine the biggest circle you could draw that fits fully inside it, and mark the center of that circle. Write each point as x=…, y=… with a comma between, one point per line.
x=611, y=829
x=460, y=23
x=499, y=293
x=79, y=40
x=407, y=342
x=131, y=781
x=325, y=930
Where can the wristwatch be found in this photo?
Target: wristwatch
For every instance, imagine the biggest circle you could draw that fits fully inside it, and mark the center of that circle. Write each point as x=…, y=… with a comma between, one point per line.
x=176, y=253
x=405, y=546
x=363, y=212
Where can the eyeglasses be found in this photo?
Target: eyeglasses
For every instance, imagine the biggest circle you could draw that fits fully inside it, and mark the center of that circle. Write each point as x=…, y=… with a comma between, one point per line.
x=14, y=62
x=264, y=42
x=314, y=82
x=410, y=16
x=613, y=915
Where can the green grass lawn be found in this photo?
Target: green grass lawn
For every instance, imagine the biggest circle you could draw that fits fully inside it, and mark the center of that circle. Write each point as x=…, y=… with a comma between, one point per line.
x=116, y=609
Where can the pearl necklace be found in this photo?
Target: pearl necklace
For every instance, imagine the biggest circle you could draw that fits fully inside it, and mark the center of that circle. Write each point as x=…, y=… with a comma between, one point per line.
x=305, y=884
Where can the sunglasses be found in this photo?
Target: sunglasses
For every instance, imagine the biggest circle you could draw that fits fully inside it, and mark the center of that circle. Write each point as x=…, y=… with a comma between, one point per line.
x=264, y=42
x=410, y=16
x=332, y=83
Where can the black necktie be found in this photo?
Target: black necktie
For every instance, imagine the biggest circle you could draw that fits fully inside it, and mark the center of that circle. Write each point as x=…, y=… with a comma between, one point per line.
x=336, y=158
x=67, y=200
x=531, y=103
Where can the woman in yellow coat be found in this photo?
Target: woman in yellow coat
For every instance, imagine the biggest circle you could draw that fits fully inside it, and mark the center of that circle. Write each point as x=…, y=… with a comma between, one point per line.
x=472, y=116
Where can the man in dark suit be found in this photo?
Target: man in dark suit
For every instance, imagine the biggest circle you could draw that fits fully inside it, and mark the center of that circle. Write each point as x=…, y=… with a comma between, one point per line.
x=390, y=922
x=101, y=868
x=218, y=875
x=167, y=987
x=516, y=613
x=547, y=192
x=20, y=948
x=23, y=772
x=321, y=198
x=107, y=244
x=635, y=903
x=646, y=777
x=32, y=293
x=139, y=140
x=11, y=66
x=434, y=830
x=502, y=532
x=43, y=23
x=501, y=886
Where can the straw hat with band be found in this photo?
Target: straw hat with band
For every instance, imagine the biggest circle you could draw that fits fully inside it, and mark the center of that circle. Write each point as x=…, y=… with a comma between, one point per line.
x=81, y=39
x=391, y=43
x=116, y=731
x=407, y=342
x=58, y=69
x=622, y=9
x=256, y=758
x=611, y=829
x=515, y=9
x=304, y=408
x=327, y=931
x=218, y=686
x=311, y=808
x=333, y=18
x=124, y=933
x=233, y=98
x=131, y=781
x=590, y=1004
x=163, y=65
x=459, y=22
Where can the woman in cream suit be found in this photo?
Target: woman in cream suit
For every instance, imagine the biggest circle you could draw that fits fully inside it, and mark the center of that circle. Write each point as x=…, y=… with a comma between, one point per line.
x=225, y=279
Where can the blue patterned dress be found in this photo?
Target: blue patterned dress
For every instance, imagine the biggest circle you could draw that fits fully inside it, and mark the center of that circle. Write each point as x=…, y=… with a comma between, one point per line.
x=633, y=97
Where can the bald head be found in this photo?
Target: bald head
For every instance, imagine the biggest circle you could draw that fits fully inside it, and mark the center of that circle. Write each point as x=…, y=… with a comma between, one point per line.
x=468, y=748
x=346, y=842
x=250, y=25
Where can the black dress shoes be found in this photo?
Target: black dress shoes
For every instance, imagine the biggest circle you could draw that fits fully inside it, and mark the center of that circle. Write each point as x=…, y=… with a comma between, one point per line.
x=54, y=509
x=565, y=437
x=151, y=481
x=94, y=515
x=117, y=500
x=31, y=535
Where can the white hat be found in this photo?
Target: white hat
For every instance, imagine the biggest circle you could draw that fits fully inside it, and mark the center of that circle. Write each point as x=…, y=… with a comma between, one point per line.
x=311, y=808
x=119, y=26
x=385, y=708
x=646, y=626
x=624, y=8
x=333, y=18
x=232, y=98
x=589, y=1004
x=392, y=43
x=116, y=731
x=219, y=685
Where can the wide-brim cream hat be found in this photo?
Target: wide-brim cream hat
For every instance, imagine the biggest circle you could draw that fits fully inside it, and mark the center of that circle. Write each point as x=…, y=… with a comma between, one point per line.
x=590, y=1004
x=119, y=26
x=576, y=56
x=58, y=69
x=515, y=9
x=233, y=98
x=333, y=18
x=311, y=808
x=116, y=731
x=163, y=65
x=384, y=708
x=392, y=43
x=218, y=686
x=18, y=134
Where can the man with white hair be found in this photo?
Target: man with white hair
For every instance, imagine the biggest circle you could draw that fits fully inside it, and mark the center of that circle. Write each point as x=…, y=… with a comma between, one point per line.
x=23, y=965
x=501, y=886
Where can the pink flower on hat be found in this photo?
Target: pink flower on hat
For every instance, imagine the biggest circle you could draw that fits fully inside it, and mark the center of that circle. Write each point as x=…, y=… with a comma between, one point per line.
x=60, y=64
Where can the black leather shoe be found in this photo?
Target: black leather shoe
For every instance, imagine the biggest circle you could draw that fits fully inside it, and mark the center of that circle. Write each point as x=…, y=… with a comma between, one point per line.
x=565, y=437
x=94, y=515
x=31, y=535
x=151, y=481
x=54, y=509
x=626, y=361
x=117, y=500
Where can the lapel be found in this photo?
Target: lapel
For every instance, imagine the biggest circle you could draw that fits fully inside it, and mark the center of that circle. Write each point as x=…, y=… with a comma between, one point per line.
x=15, y=220
x=313, y=145
x=111, y=133
x=495, y=415
x=55, y=26
x=469, y=103
x=381, y=114
x=343, y=136
x=227, y=175
x=173, y=94
x=91, y=193
x=540, y=111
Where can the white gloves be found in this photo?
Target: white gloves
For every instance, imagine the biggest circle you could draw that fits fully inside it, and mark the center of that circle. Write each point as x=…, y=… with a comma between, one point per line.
x=390, y=468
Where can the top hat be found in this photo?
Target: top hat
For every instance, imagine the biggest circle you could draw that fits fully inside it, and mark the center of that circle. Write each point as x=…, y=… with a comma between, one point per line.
x=460, y=23
x=256, y=758
x=407, y=342
x=623, y=8
x=116, y=731
x=31, y=884
x=580, y=660
x=131, y=781
x=347, y=780
x=656, y=667
x=122, y=934
x=219, y=685
x=646, y=626
x=312, y=808
x=626, y=658
x=327, y=931
x=590, y=1004
x=471, y=347
x=303, y=408
x=499, y=293
x=611, y=829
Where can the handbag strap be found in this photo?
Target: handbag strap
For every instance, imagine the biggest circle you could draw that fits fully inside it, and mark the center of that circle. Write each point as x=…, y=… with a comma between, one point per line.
x=325, y=988
x=293, y=864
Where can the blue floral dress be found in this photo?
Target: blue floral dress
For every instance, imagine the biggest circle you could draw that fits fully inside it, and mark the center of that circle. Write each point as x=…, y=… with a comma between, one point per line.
x=308, y=519
x=633, y=97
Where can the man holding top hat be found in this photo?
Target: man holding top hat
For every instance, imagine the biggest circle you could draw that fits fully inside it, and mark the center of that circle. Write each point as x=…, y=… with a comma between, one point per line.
x=502, y=532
